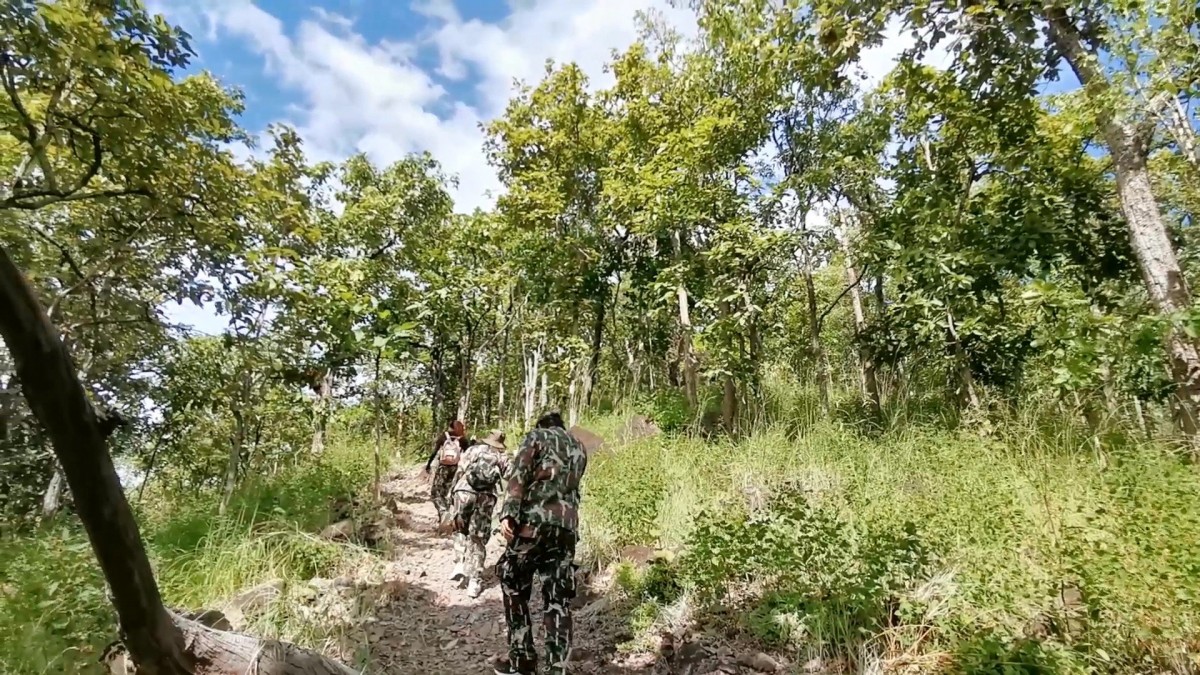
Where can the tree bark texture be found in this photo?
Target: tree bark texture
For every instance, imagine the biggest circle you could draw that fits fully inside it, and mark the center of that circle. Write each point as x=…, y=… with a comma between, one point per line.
x=219, y=652
x=52, y=499
x=814, y=335
x=687, y=353
x=1148, y=235
x=321, y=411
x=870, y=378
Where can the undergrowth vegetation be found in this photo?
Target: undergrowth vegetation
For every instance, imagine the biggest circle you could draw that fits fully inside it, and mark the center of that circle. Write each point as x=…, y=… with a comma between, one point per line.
x=55, y=617
x=1018, y=550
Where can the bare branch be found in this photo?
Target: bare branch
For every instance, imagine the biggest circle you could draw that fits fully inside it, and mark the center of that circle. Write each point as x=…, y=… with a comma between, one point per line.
x=36, y=144
x=821, y=319
x=66, y=255
x=43, y=198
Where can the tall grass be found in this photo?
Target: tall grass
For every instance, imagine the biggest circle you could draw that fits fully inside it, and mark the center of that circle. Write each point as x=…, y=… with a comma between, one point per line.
x=55, y=618
x=1022, y=546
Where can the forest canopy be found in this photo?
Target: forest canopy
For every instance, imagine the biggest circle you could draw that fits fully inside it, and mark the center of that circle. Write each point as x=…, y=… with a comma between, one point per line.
x=733, y=220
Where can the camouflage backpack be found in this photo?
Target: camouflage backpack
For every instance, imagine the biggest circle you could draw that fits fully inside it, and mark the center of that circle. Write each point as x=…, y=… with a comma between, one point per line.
x=483, y=473
x=449, y=453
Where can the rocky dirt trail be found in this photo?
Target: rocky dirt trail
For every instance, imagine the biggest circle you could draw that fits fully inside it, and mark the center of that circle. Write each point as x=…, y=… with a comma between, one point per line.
x=427, y=625
x=431, y=626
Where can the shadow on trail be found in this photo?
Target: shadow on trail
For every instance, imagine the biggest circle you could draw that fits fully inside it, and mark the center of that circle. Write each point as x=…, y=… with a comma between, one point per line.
x=422, y=631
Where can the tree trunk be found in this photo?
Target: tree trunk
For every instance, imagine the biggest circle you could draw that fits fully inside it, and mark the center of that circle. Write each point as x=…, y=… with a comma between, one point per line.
x=52, y=499
x=321, y=411
x=814, y=338
x=573, y=405
x=870, y=380
x=533, y=362
x=150, y=464
x=437, y=393
x=466, y=376
x=543, y=393
x=1140, y=413
x=1148, y=235
x=967, y=396
x=236, y=446
x=501, y=400
x=687, y=354
x=58, y=401
x=378, y=424
x=593, y=371
x=400, y=426
x=729, y=397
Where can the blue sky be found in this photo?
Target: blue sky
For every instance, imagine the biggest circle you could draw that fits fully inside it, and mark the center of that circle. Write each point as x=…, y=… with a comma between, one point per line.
x=392, y=77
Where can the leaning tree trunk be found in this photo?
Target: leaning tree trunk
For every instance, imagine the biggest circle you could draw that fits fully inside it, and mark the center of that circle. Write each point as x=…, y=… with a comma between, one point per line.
x=222, y=653
x=1162, y=275
x=159, y=643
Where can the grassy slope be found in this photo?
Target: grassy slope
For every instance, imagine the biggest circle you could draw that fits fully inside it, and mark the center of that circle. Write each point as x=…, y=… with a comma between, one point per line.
x=54, y=617
x=826, y=569
x=1002, y=526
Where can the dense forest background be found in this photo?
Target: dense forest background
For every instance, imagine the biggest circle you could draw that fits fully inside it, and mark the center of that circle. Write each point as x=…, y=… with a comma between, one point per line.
x=924, y=355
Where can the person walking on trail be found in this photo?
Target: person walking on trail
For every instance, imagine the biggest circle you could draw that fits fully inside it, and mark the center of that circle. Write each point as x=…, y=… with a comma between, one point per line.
x=447, y=449
x=474, y=494
x=540, y=520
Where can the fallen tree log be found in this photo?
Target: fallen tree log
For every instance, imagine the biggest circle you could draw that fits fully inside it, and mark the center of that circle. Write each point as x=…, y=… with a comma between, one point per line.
x=159, y=642
x=219, y=652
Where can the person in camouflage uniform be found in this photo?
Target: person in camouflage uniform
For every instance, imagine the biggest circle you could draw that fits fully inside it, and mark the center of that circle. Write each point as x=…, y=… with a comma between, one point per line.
x=443, y=477
x=540, y=520
x=479, y=474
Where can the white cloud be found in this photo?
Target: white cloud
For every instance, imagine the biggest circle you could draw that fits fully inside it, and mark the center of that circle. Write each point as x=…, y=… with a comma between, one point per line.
x=359, y=96
x=355, y=95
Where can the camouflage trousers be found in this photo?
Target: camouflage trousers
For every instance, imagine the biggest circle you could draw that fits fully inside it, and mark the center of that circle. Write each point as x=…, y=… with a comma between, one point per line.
x=439, y=491
x=472, y=529
x=550, y=558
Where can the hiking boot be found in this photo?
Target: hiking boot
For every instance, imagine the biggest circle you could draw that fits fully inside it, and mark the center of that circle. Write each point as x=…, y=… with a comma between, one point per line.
x=503, y=666
x=458, y=573
x=474, y=588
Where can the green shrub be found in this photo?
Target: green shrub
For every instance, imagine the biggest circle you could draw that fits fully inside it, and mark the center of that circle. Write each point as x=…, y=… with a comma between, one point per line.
x=625, y=493
x=668, y=408
x=53, y=610
x=56, y=618
x=657, y=582
x=818, y=578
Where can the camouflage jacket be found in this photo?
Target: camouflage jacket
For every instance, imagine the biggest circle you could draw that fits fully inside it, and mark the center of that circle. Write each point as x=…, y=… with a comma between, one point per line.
x=479, y=453
x=543, y=483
